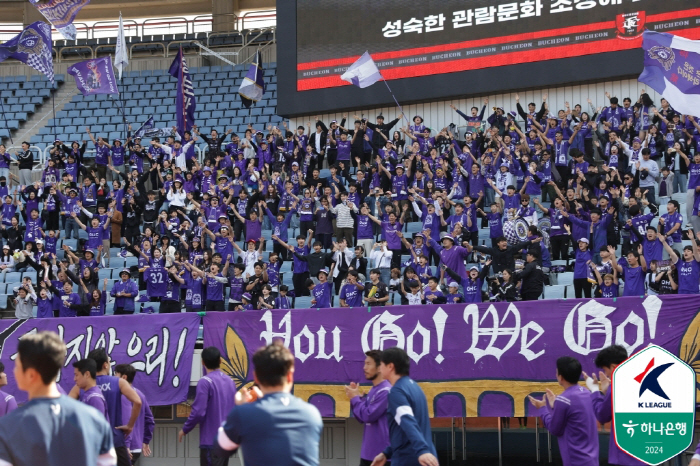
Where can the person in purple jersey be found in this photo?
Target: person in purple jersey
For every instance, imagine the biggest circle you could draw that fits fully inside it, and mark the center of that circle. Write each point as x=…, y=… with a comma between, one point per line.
x=570, y=416
x=632, y=272
x=7, y=401
x=688, y=268
x=84, y=374
x=213, y=400
x=601, y=399
x=351, y=292
x=140, y=438
x=370, y=409
x=112, y=390
x=672, y=222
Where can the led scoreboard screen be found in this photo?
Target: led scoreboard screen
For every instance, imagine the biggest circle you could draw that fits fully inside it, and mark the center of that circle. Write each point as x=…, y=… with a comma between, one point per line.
x=411, y=38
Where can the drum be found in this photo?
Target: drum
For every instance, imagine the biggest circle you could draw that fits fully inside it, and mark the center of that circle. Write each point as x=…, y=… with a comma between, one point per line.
x=544, y=224
x=516, y=230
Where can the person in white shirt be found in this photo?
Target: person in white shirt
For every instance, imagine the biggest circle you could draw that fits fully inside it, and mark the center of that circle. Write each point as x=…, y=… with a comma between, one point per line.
x=648, y=173
x=177, y=195
x=380, y=257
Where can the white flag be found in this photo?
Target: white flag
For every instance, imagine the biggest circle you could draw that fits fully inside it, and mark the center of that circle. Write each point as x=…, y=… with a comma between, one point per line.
x=363, y=72
x=121, y=55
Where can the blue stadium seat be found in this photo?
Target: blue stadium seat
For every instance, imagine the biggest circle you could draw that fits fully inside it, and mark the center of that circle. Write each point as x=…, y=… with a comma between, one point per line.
x=13, y=277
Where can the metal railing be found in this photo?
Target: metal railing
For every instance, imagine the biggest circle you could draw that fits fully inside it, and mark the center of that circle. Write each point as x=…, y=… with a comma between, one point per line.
x=258, y=19
x=258, y=16
x=173, y=25
x=103, y=29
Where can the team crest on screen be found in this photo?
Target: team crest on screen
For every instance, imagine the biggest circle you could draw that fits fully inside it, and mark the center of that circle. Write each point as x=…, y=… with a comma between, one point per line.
x=664, y=55
x=630, y=25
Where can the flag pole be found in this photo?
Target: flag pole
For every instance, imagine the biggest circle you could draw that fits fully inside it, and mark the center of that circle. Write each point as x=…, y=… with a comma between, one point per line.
x=397, y=102
x=53, y=107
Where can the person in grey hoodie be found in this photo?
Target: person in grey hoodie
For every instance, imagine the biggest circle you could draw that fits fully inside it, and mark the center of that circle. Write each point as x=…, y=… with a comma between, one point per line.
x=24, y=302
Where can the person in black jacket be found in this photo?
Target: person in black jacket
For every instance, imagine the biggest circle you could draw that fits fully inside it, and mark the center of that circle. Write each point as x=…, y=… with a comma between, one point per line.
x=503, y=255
x=214, y=142
x=532, y=277
x=381, y=127
x=318, y=142
x=26, y=163
x=131, y=214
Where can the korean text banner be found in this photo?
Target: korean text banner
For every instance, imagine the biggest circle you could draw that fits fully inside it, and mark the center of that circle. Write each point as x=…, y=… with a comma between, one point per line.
x=411, y=38
x=160, y=347
x=471, y=360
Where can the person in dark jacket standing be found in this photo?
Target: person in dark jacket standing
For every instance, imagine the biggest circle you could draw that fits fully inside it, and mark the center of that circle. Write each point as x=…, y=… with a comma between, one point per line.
x=26, y=163
x=384, y=128
x=503, y=256
x=409, y=420
x=214, y=142
x=532, y=277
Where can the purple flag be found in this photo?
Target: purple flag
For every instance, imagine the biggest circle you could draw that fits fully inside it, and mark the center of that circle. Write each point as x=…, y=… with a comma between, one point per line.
x=94, y=76
x=61, y=14
x=160, y=347
x=670, y=68
x=473, y=360
x=186, y=102
x=32, y=47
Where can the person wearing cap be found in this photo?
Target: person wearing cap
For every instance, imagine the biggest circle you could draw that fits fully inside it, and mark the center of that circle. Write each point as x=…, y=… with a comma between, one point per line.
x=531, y=276
x=450, y=255
x=125, y=292
x=582, y=287
x=472, y=284
x=247, y=303
x=321, y=292
x=453, y=294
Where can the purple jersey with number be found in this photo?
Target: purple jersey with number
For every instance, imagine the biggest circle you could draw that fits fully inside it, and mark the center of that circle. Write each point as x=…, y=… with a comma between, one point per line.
x=156, y=278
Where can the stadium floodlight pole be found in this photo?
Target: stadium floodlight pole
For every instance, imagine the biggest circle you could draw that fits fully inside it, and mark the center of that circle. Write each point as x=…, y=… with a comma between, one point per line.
x=397, y=102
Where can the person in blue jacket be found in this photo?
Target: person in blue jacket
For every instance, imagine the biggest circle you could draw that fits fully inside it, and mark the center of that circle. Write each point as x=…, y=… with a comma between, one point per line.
x=410, y=437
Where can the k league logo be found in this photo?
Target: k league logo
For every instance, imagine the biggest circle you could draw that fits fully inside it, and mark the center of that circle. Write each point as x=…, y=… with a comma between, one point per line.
x=653, y=396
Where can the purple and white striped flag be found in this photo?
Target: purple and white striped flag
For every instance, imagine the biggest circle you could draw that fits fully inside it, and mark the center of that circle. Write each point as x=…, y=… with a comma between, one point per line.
x=363, y=73
x=670, y=64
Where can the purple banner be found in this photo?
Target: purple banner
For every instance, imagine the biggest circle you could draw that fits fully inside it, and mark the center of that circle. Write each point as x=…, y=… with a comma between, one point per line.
x=94, y=76
x=186, y=102
x=160, y=347
x=61, y=13
x=471, y=360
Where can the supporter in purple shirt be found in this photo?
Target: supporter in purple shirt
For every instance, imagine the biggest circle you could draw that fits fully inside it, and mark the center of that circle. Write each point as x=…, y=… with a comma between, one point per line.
x=601, y=399
x=570, y=416
x=139, y=439
x=450, y=255
x=212, y=402
x=632, y=272
x=320, y=292
x=688, y=268
x=84, y=375
x=95, y=232
x=370, y=409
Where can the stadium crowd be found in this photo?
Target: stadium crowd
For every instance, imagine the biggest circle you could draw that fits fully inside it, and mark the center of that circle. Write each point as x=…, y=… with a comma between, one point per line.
x=397, y=211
